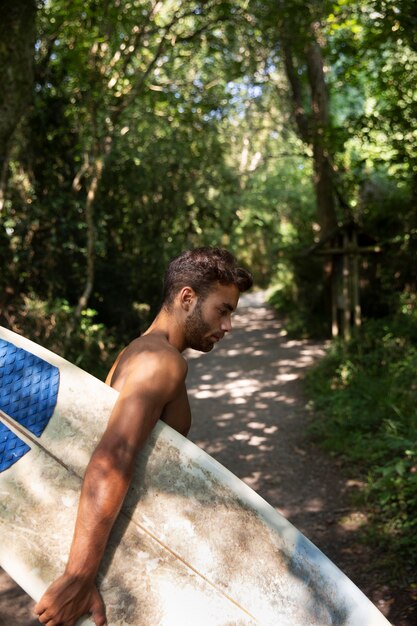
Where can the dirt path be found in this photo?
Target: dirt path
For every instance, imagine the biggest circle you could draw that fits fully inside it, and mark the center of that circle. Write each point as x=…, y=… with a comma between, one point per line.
x=250, y=414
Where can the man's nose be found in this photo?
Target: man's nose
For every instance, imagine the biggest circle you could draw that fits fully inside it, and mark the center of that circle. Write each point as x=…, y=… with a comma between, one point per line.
x=226, y=325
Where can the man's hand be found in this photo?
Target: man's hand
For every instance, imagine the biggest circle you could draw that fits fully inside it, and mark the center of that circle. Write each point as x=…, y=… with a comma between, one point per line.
x=68, y=599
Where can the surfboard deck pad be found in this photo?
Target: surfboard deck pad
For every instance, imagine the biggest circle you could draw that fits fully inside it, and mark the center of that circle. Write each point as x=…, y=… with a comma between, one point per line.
x=192, y=545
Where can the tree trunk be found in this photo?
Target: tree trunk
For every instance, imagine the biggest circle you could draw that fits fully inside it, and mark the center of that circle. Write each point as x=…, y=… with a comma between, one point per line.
x=313, y=127
x=91, y=236
x=17, y=37
x=323, y=175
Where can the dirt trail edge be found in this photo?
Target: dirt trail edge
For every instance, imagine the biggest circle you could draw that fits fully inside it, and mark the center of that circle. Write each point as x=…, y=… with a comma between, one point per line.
x=249, y=412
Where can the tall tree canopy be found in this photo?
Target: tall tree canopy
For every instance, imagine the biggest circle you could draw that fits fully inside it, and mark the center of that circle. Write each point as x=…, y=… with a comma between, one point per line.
x=136, y=128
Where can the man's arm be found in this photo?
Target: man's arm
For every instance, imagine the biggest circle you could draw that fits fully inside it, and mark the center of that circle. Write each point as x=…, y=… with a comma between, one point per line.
x=151, y=383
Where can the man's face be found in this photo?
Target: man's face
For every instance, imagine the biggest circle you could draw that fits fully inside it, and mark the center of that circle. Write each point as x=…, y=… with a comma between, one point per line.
x=211, y=317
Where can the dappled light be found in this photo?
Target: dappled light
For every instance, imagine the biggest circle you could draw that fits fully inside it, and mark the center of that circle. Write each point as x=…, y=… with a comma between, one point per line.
x=168, y=526
x=249, y=412
x=283, y=131
x=246, y=394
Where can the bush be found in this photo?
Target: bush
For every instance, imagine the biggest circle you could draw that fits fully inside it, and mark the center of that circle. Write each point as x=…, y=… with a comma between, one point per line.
x=54, y=325
x=299, y=294
x=365, y=396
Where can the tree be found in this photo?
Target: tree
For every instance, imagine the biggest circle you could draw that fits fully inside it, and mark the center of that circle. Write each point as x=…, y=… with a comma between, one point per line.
x=17, y=37
x=122, y=50
x=293, y=32
x=119, y=164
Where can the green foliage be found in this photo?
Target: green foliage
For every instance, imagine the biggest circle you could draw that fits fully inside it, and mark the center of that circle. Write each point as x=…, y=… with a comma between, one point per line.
x=365, y=393
x=189, y=109
x=298, y=294
x=128, y=86
x=54, y=325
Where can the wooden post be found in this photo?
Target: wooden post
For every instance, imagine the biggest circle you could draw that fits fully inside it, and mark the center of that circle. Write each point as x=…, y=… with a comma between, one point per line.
x=346, y=290
x=335, y=324
x=355, y=282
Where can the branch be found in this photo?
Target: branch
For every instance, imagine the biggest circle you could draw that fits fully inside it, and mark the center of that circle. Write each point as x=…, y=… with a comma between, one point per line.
x=76, y=183
x=301, y=118
x=139, y=34
x=89, y=215
x=139, y=84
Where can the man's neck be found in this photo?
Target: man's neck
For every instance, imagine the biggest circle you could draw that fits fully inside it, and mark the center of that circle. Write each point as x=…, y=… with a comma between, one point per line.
x=167, y=324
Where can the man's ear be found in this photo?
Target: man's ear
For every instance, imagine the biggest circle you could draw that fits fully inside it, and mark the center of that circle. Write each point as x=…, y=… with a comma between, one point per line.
x=187, y=298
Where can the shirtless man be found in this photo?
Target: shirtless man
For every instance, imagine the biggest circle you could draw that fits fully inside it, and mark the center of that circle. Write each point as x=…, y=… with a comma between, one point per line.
x=201, y=291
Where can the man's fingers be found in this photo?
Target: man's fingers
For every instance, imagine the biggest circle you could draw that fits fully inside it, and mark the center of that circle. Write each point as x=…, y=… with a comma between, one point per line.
x=66, y=600
x=98, y=611
x=42, y=612
x=99, y=620
x=43, y=616
x=38, y=609
x=48, y=621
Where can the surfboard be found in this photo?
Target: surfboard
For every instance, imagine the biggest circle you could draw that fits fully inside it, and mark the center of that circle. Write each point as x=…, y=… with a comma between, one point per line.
x=192, y=545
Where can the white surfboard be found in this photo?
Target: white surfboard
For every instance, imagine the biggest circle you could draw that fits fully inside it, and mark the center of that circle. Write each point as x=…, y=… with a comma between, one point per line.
x=193, y=544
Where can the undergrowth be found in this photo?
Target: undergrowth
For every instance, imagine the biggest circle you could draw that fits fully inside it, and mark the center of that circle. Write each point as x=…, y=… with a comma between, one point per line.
x=364, y=393
x=55, y=326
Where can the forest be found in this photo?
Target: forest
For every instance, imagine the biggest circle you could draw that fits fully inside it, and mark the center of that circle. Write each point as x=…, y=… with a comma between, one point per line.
x=133, y=129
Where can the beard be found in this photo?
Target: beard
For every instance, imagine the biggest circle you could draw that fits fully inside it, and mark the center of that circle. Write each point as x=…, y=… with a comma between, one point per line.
x=196, y=330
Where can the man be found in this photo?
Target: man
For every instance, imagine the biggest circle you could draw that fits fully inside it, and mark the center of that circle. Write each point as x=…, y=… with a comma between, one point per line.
x=201, y=291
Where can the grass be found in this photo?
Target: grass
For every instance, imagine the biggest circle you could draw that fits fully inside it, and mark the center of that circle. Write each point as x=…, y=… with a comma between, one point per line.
x=364, y=394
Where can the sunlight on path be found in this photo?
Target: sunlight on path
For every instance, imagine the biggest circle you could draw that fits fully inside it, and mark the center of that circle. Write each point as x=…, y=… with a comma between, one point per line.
x=247, y=403
x=249, y=412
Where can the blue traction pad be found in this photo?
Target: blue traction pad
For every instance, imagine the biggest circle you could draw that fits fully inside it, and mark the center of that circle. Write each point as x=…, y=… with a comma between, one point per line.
x=11, y=448
x=28, y=392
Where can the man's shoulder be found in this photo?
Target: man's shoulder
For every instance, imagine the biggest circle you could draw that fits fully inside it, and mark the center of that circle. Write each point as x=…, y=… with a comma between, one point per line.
x=154, y=367
x=154, y=343
x=155, y=352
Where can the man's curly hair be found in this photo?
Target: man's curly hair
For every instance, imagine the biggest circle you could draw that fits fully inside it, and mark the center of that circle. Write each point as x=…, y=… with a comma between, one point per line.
x=201, y=269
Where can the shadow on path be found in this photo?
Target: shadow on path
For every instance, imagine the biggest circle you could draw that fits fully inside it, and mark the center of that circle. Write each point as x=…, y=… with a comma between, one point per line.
x=250, y=414
x=248, y=409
